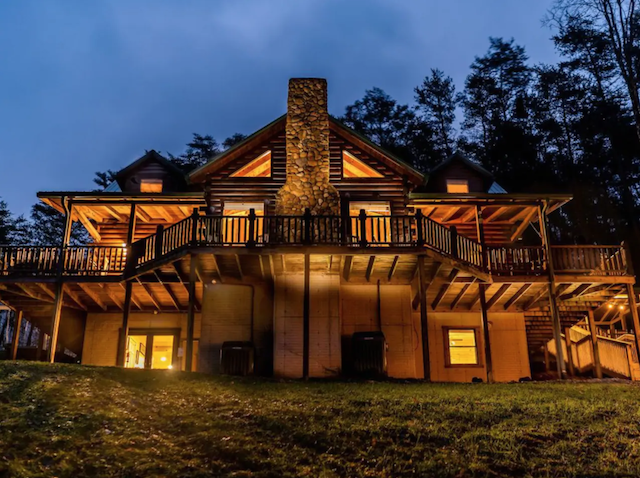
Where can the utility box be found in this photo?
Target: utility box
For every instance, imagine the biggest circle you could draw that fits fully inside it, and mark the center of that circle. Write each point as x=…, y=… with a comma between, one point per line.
x=369, y=353
x=237, y=358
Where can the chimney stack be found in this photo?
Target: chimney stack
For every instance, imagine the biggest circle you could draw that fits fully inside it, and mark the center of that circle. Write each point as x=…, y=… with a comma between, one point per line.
x=307, y=137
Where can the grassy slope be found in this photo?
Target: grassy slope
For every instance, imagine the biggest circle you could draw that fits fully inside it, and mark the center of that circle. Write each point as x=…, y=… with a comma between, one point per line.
x=83, y=421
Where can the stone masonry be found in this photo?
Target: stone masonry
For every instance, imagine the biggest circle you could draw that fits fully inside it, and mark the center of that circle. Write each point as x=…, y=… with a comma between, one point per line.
x=307, y=136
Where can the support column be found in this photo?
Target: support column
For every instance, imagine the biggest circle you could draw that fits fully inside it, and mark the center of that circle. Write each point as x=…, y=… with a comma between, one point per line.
x=16, y=334
x=567, y=341
x=633, y=308
x=424, y=325
x=480, y=232
x=555, y=313
x=594, y=344
x=485, y=332
x=188, y=361
x=305, y=318
x=124, y=330
x=55, y=322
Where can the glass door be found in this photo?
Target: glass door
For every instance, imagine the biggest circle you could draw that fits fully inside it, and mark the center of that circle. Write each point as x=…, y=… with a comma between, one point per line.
x=152, y=349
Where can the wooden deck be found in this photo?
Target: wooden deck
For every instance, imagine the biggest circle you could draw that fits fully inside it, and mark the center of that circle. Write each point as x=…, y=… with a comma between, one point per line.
x=373, y=235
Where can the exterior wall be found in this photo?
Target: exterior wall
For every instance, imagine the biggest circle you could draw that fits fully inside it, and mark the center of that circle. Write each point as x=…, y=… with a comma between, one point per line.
x=324, y=325
x=103, y=329
x=508, y=347
x=400, y=325
x=229, y=312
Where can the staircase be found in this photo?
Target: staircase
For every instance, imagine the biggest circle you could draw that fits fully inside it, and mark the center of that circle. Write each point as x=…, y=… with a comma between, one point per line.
x=618, y=356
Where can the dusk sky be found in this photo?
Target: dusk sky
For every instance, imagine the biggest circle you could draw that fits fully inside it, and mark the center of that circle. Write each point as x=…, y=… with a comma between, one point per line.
x=89, y=85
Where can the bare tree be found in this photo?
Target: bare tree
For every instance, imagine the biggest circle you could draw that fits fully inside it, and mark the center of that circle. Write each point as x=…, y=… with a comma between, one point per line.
x=618, y=21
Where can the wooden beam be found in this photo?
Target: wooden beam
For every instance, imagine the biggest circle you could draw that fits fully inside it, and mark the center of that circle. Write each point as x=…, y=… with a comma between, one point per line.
x=633, y=307
x=116, y=300
x=424, y=326
x=567, y=341
x=445, y=288
x=85, y=288
x=346, y=270
x=498, y=295
x=523, y=225
x=475, y=299
x=88, y=225
x=594, y=344
x=260, y=263
x=537, y=296
x=449, y=214
x=74, y=296
x=55, y=322
x=170, y=293
x=15, y=339
x=46, y=290
x=191, y=316
x=370, y=267
x=115, y=214
x=575, y=293
x=152, y=297
x=484, y=308
x=392, y=269
x=124, y=330
x=133, y=296
x=272, y=268
x=519, y=293
x=460, y=295
x=496, y=214
x=306, y=318
x=143, y=215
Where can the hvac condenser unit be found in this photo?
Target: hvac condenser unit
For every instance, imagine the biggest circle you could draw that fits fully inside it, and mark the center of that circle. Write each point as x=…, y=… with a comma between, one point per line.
x=369, y=352
x=237, y=358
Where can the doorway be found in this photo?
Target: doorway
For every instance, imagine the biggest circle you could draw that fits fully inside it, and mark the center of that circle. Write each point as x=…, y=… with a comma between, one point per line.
x=152, y=349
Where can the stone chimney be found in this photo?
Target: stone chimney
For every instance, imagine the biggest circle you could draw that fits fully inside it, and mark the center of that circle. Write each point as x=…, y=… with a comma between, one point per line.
x=307, y=135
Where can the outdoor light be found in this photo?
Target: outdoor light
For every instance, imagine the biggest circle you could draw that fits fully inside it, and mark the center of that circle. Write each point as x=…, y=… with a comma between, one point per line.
x=214, y=281
x=170, y=367
x=621, y=307
x=610, y=306
x=163, y=359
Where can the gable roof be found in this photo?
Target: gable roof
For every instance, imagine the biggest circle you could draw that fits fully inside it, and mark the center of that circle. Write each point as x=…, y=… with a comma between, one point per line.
x=279, y=124
x=458, y=157
x=151, y=155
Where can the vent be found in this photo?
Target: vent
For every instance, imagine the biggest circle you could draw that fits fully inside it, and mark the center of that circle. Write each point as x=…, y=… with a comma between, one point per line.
x=369, y=352
x=237, y=358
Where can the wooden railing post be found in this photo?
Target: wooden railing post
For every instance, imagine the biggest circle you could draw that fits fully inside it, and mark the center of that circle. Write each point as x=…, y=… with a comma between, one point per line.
x=306, y=226
x=595, y=351
x=362, y=220
x=251, y=242
x=419, y=228
x=159, y=241
x=454, y=241
x=194, y=227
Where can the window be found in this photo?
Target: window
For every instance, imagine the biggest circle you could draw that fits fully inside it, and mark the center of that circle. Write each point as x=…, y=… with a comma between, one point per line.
x=461, y=347
x=459, y=186
x=257, y=168
x=352, y=167
x=151, y=186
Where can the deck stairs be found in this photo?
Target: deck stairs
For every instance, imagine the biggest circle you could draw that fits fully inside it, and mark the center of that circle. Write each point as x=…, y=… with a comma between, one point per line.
x=618, y=355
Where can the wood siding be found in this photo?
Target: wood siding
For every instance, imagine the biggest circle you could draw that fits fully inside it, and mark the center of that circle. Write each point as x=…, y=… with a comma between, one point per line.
x=220, y=187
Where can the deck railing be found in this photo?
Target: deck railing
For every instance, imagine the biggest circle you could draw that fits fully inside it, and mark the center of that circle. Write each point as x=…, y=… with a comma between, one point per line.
x=361, y=231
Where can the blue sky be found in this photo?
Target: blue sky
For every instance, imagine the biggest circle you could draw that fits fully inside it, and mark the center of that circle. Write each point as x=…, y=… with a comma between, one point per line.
x=89, y=85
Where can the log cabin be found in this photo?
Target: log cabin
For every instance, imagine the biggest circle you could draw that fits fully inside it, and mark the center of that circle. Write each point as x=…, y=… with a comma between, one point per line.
x=306, y=251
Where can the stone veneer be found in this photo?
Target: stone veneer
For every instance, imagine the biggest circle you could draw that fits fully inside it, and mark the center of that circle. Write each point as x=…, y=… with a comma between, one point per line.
x=307, y=136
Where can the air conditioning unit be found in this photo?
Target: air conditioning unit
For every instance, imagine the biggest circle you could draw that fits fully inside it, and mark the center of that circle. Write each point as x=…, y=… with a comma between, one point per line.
x=237, y=358
x=369, y=353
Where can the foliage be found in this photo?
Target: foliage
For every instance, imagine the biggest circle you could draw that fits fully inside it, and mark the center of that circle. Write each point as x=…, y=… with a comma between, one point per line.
x=47, y=227
x=199, y=151
x=69, y=420
x=104, y=178
x=233, y=140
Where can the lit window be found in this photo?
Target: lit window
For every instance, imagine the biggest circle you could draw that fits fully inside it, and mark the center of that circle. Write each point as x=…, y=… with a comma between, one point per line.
x=459, y=186
x=461, y=347
x=352, y=167
x=257, y=168
x=151, y=186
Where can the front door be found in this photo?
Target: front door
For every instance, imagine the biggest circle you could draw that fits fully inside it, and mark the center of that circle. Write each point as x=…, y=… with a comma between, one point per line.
x=152, y=349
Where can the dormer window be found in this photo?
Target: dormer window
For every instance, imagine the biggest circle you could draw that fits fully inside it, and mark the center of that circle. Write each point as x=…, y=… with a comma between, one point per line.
x=151, y=185
x=457, y=186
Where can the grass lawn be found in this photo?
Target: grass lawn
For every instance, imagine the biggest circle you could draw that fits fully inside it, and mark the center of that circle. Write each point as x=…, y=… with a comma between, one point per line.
x=73, y=421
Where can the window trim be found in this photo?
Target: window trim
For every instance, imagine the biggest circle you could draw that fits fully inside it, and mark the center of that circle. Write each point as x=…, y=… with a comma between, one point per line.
x=447, y=355
x=457, y=182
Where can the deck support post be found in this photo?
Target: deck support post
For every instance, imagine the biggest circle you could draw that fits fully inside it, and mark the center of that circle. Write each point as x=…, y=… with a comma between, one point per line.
x=567, y=341
x=594, y=344
x=424, y=326
x=16, y=334
x=485, y=332
x=480, y=232
x=305, y=318
x=188, y=361
x=55, y=322
x=553, y=305
x=633, y=308
x=124, y=331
